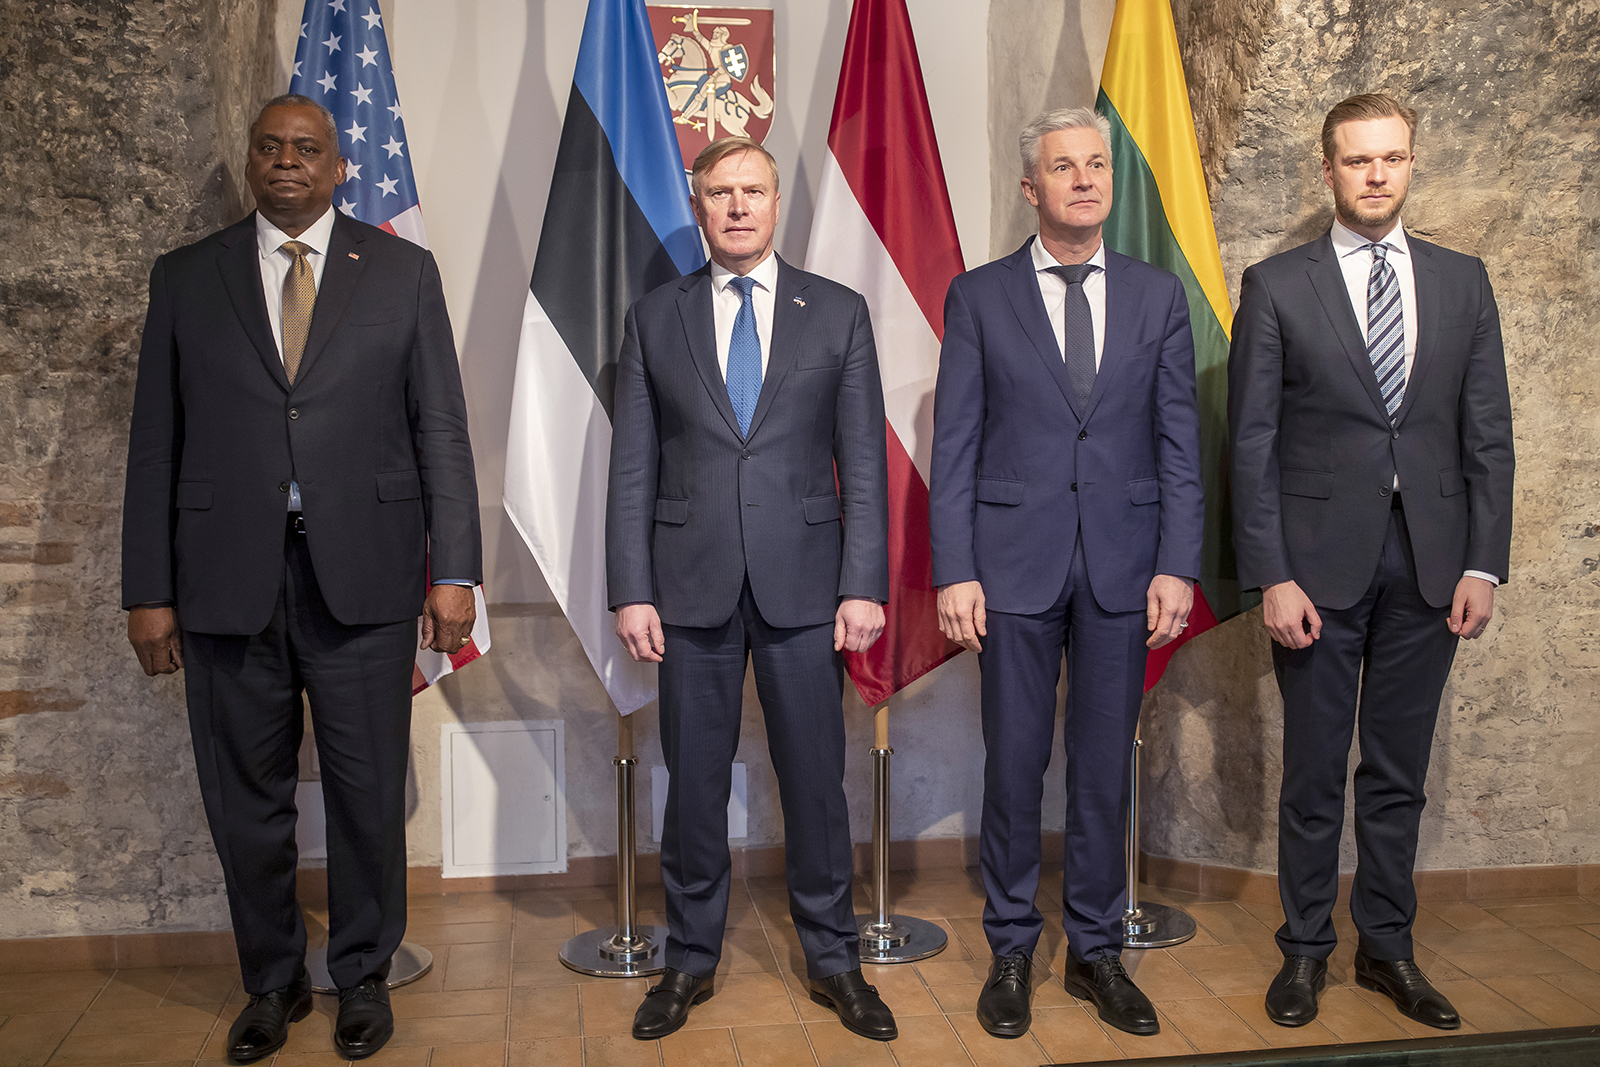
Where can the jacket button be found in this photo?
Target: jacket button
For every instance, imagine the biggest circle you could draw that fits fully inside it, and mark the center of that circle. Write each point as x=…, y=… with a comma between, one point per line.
x=1074, y=487
x=283, y=487
x=744, y=454
x=1083, y=435
x=1396, y=432
x=1384, y=491
x=294, y=413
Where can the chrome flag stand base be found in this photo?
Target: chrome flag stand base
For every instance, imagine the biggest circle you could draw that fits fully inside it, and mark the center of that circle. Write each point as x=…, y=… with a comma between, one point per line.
x=409, y=962
x=626, y=950
x=1147, y=925
x=887, y=938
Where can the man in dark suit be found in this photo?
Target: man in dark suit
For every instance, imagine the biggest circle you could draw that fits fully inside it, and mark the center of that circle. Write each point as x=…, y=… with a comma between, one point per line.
x=297, y=463
x=744, y=390
x=1372, y=468
x=1066, y=510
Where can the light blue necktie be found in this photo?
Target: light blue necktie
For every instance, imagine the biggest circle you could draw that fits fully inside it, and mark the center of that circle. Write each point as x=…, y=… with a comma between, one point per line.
x=744, y=358
x=1386, y=330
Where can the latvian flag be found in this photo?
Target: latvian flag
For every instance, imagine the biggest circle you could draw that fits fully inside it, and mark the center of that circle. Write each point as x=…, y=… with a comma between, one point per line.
x=617, y=224
x=1161, y=214
x=883, y=226
x=343, y=63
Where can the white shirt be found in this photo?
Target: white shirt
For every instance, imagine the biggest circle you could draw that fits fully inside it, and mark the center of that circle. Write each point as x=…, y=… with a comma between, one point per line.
x=1355, y=262
x=726, y=301
x=1053, y=288
x=275, y=263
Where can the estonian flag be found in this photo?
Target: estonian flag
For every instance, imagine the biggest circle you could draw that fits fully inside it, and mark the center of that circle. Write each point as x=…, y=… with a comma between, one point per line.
x=617, y=224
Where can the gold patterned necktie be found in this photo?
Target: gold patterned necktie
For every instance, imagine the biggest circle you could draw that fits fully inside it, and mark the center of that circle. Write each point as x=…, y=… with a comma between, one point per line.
x=299, y=297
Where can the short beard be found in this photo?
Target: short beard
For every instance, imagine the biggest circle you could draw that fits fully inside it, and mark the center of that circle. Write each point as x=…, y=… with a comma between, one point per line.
x=1352, y=210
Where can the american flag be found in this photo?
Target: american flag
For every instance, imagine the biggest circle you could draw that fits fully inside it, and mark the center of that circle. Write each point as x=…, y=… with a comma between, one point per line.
x=342, y=62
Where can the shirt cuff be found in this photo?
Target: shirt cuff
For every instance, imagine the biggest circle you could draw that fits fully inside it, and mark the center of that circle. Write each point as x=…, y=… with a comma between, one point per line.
x=468, y=582
x=1486, y=576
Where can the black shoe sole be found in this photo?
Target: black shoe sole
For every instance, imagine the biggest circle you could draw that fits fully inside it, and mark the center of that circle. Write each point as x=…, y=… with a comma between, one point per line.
x=1007, y=1031
x=1367, y=983
x=1081, y=990
x=294, y=1016
x=699, y=998
x=827, y=1002
x=1292, y=1023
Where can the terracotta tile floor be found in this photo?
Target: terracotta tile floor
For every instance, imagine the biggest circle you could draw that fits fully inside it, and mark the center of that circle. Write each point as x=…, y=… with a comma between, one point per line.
x=498, y=995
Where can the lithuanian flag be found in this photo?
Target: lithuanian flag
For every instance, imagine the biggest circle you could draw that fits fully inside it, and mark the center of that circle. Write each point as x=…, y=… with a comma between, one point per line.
x=1161, y=214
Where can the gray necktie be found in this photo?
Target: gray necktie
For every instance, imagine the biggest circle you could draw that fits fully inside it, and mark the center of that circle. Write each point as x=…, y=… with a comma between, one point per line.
x=1077, y=340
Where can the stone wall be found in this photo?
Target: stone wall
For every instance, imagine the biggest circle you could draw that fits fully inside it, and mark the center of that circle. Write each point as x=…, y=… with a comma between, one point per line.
x=114, y=118
x=1509, y=96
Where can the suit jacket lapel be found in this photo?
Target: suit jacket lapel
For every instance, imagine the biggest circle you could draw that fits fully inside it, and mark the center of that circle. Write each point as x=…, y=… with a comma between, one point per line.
x=700, y=332
x=1328, y=281
x=240, y=267
x=1023, y=290
x=346, y=261
x=1427, y=282
x=788, y=323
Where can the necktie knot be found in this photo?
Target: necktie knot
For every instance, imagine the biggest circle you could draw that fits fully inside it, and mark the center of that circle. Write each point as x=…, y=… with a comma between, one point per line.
x=1074, y=273
x=297, y=249
x=745, y=286
x=1379, y=251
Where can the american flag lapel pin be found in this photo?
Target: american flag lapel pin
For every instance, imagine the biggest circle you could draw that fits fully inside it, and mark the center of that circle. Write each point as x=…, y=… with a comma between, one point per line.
x=800, y=302
x=352, y=255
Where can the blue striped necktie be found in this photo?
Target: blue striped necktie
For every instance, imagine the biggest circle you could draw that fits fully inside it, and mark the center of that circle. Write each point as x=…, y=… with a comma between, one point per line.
x=744, y=357
x=1386, y=330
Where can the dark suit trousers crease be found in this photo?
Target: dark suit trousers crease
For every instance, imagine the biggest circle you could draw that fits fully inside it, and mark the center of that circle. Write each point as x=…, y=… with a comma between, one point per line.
x=1021, y=665
x=1389, y=655
x=244, y=695
x=800, y=680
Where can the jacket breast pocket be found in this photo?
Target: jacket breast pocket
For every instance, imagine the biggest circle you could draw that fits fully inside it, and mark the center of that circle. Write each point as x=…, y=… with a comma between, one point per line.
x=819, y=359
x=399, y=485
x=822, y=509
x=1315, y=484
x=1144, y=490
x=378, y=316
x=195, y=496
x=999, y=491
x=1452, y=482
x=674, y=511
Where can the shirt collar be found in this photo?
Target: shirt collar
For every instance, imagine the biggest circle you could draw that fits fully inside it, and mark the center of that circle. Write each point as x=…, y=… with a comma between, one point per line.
x=1043, y=260
x=765, y=274
x=1347, y=241
x=269, y=238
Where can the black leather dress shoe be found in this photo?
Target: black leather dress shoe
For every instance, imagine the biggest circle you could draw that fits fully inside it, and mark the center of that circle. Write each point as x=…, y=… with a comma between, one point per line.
x=1292, y=996
x=1403, y=982
x=366, y=1021
x=857, y=1005
x=1003, y=1005
x=263, y=1026
x=1114, y=994
x=665, y=1008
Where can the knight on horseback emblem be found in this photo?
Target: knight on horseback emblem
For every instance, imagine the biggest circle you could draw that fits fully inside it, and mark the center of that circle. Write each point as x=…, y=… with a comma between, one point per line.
x=714, y=83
